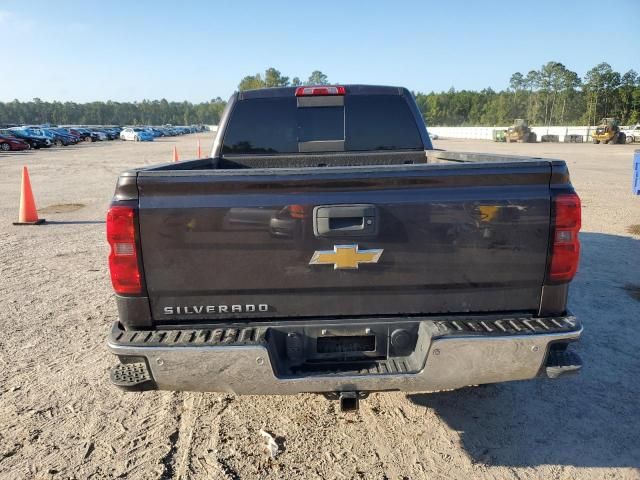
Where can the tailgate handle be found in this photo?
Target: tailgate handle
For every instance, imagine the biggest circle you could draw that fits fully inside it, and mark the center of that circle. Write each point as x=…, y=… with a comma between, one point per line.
x=345, y=220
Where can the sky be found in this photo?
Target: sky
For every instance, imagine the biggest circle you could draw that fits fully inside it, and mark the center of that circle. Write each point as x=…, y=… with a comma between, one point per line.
x=198, y=50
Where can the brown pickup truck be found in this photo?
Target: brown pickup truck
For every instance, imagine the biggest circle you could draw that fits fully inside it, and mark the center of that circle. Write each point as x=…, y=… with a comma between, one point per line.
x=325, y=246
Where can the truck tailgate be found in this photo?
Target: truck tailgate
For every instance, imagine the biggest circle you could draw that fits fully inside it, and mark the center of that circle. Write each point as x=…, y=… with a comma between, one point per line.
x=448, y=238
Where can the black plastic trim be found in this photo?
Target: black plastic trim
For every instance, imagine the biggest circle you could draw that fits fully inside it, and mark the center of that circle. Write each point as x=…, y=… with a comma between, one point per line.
x=134, y=312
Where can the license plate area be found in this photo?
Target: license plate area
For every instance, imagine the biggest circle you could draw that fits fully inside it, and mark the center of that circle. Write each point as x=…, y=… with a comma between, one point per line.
x=325, y=346
x=346, y=344
x=338, y=344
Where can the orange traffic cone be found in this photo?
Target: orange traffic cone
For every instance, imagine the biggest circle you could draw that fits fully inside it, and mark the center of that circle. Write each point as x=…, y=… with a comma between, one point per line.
x=28, y=213
x=199, y=150
x=175, y=154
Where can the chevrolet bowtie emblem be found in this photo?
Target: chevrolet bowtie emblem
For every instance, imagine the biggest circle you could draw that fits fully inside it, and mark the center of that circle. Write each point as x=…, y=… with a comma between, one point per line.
x=345, y=257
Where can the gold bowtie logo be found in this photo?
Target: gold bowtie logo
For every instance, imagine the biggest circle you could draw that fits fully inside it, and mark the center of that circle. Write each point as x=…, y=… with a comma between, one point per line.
x=345, y=257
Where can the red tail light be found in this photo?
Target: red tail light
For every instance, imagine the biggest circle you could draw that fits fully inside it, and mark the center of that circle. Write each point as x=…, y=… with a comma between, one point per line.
x=297, y=211
x=123, y=259
x=565, y=251
x=319, y=91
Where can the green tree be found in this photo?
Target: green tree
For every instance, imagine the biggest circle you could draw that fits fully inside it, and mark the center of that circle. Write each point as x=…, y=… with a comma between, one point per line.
x=517, y=84
x=549, y=82
x=273, y=78
x=570, y=81
x=251, y=82
x=629, y=84
x=601, y=87
x=531, y=83
x=317, y=78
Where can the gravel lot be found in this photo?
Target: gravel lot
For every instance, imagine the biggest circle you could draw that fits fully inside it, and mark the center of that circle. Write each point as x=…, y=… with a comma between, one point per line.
x=60, y=417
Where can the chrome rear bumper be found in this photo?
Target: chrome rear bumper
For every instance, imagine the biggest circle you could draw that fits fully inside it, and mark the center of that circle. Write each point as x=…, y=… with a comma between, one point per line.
x=244, y=360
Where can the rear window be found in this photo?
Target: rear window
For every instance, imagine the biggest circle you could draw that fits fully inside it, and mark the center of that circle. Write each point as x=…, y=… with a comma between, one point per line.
x=262, y=125
x=380, y=122
x=320, y=123
x=364, y=123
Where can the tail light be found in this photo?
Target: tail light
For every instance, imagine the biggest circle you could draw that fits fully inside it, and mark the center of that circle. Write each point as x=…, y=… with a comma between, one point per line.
x=565, y=251
x=297, y=211
x=123, y=259
x=319, y=91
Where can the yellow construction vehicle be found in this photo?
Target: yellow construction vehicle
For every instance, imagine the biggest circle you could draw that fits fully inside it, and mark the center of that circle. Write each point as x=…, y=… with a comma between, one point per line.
x=520, y=132
x=609, y=132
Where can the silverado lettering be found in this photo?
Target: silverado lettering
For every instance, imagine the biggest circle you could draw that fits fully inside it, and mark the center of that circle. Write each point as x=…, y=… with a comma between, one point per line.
x=394, y=266
x=198, y=309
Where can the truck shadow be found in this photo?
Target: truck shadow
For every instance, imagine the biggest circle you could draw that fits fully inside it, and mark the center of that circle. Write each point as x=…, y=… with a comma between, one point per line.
x=589, y=420
x=74, y=222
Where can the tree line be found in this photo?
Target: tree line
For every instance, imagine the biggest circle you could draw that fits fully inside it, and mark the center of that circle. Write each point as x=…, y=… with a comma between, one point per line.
x=147, y=112
x=552, y=95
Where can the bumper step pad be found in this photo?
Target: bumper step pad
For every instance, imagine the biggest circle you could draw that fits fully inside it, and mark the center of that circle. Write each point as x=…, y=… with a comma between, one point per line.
x=132, y=377
x=560, y=363
x=508, y=326
x=190, y=337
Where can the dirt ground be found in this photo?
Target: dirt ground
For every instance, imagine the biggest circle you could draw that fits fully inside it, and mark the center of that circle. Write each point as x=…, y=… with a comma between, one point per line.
x=60, y=417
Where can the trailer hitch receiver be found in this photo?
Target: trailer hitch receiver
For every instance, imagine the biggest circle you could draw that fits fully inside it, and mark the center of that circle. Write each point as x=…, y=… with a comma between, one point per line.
x=349, y=401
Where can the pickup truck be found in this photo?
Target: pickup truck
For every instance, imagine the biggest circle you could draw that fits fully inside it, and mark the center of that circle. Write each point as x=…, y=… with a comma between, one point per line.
x=632, y=134
x=326, y=247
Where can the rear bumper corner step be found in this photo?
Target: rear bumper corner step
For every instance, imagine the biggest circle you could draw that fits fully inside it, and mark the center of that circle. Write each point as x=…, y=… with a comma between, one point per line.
x=132, y=377
x=562, y=363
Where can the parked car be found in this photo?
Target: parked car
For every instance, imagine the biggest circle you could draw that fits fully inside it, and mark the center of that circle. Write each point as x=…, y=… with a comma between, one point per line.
x=156, y=132
x=54, y=138
x=33, y=140
x=86, y=134
x=102, y=136
x=9, y=143
x=72, y=139
x=112, y=132
x=632, y=133
x=59, y=139
x=151, y=131
x=136, y=134
x=105, y=133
